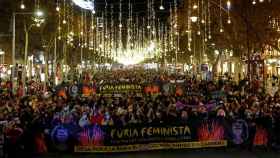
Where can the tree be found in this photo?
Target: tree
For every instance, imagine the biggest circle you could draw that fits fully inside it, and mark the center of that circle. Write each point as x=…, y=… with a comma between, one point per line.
x=249, y=32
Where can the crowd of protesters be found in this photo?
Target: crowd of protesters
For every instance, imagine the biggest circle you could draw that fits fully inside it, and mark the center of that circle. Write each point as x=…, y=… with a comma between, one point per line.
x=33, y=116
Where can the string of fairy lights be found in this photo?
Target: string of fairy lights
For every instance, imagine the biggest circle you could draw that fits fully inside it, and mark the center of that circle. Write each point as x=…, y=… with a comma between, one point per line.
x=254, y=2
x=133, y=38
x=202, y=15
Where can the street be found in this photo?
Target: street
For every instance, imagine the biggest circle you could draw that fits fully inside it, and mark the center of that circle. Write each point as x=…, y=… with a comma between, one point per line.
x=230, y=153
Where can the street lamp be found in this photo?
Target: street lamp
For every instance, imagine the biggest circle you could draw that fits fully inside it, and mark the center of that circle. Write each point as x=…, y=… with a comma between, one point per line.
x=38, y=14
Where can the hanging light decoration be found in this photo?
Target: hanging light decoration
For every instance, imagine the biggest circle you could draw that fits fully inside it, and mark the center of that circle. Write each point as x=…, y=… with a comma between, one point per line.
x=203, y=12
x=70, y=36
x=59, y=27
x=38, y=18
x=228, y=5
x=189, y=27
x=228, y=9
x=209, y=20
x=171, y=29
x=200, y=10
x=205, y=17
x=57, y=8
x=120, y=27
x=64, y=13
x=254, y=2
x=194, y=18
x=200, y=16
x=221, y=20
x=176, y=33
x=122, y=39
x=203, y=21
x=161, y=7
x=129, y=27
x=22, y=6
